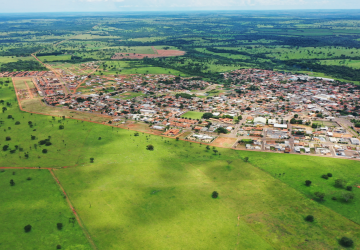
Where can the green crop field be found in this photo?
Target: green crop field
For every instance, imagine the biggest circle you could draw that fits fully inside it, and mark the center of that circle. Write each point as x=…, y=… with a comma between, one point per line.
x=193, y=115
x=40, y=203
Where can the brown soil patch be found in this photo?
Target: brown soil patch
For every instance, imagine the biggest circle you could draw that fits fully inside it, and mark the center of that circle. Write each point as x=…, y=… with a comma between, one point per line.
x=158, y=53
x=224, y=142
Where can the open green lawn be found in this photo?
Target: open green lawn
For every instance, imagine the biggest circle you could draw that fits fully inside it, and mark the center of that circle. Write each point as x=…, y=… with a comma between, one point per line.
x=132, y=198
x=40, y=203
x=193, y=115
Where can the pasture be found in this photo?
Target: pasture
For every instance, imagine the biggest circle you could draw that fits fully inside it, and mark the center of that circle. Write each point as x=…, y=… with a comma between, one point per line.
x=154, y=199
x=298, y=168
x=36, y=199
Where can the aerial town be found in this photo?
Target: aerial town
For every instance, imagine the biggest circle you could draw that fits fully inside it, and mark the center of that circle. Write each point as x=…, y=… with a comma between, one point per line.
x=254, y=109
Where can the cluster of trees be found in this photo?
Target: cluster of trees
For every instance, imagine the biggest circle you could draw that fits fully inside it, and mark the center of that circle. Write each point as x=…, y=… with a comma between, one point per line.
x=22, y=66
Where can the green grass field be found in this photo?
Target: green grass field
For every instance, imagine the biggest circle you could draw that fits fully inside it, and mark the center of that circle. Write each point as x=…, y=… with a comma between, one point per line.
x=132, y=198
x=55, y=58
x=312, y=168
x=40, y=203
x=193, y=115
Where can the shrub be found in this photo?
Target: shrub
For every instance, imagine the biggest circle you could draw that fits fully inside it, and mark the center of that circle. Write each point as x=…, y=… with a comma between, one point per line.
x=58, y=247
x=334, y=198
x=246, y=159
x=59, y=226
x=29, y=178
x=349, y=188
x=44, y=151
x=308, y=183
x=215, y=194
x=27, y=228
x=150, y=147
x=7, y=138
x=17, y=123
x=309, y=218
x=324, y=176
x=329, y=174
x=12, y=182
x=92, y=160
x=5, y=147
x=346, y=242
x=9, y=116
x=48, y=143
x=61, y=126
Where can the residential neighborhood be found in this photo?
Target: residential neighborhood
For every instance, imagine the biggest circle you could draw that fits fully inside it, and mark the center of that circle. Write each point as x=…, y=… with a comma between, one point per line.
x=256, y=109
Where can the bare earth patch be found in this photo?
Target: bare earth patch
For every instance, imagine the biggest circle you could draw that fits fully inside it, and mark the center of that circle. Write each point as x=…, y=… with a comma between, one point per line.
x=158, y=53
x=224, y=142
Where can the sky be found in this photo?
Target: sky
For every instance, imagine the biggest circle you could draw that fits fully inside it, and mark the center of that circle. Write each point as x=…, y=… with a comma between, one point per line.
x=15, y=6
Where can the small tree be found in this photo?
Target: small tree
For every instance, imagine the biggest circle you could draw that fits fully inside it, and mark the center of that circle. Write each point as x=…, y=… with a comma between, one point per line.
x=7, y=138
x=177, y=138
x=61, y=126
x=320, y=195
x=17, y=123
x=308, y=183
x=348, y=196
x=207, y=147
x=215, y=151
x=346, y=242
x=59, y=226
x=349, y=188
x=340, y=183
x=27, y=228
x=150, y=147
x=329, y=174
x=91, y=160
x=58, y=247
x=215, y=194
x=246, y=159
x=309, y=218
x=12, y=183
x=44, y=150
